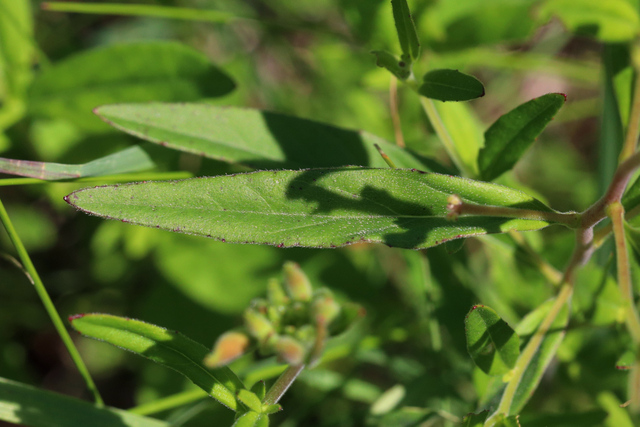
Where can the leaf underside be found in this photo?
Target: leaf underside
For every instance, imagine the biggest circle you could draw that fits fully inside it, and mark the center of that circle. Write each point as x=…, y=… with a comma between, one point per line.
x=311, y=208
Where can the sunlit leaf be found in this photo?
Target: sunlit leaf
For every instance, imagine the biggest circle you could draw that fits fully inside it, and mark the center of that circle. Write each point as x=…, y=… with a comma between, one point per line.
x=252, y=419
x=255, y=138
x=510, y=136
x=132, y=159
x=154, y=71
x=450, y=85
x=491, y=342
x=29, y=406
x=165, y=347
x=311, y=208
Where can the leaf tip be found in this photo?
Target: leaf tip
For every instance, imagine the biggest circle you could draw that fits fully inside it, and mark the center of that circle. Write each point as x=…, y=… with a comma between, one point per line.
x=75, y=317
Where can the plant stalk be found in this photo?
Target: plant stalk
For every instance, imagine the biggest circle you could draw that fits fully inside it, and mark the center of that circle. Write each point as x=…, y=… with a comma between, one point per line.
x=282, y=384
x=48, y=305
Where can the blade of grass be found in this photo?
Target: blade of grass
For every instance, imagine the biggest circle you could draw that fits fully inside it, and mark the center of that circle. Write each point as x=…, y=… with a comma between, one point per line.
x=158, y=176
x=48, y=304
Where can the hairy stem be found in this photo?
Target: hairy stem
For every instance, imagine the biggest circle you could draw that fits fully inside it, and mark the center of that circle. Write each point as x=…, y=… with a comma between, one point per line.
x=282, y=384
x=48, y=304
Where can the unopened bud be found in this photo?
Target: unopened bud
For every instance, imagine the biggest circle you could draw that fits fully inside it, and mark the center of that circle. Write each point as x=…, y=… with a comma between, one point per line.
x=291, y=350
x=296, y=282
x=258, y=325
x=275, y=292
x=227, y=348
x=324, y=308
x=454, y=207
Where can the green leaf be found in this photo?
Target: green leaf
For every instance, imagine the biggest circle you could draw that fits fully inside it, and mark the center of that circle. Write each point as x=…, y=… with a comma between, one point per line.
x=631, y=198
x=510, y=136
x=406, y=29
x=491, y=342
x=405, y=417
x=626, y=361
x=608, y=21
x=544, y=354
x=252, y=419
x=475, y=420
x=155, y=71
x=29, y=406
x=250, y=400
x=132, y=159
x=504, y=421
x=255, y=138
x=392, y=63
x=450, y=85
x=165, y=347
x=311, y=208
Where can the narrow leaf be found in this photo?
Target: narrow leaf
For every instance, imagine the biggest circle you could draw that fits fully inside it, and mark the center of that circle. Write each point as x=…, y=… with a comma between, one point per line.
x=154, y=71
x=393, y=64
x=255, y=138
x=491, y=342
x=406, y=29
x=608, y=21
x=250, y=400
x=450, y=85
x=544, y=355
x=311, y=208
x=165, y=347
x=132, y=159
x=29, y=406
x=510, y=136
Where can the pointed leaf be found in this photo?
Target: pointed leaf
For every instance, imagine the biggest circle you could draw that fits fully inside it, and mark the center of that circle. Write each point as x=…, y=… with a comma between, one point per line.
x=406, y=29
x=312, y=208
x=165, y=347
x=29, y=406
x=393, y=64
x=255, y=138
x=626, y=361
x=491, y=342
x=450, y=85
x=608, y=21
x=475, y=420
x=154, y=71
x=250, y=400
x=132, y=159
x=510, y=136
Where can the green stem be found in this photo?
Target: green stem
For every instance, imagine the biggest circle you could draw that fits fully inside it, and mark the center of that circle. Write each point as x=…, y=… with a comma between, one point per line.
x=48, y=304
x=282, y=384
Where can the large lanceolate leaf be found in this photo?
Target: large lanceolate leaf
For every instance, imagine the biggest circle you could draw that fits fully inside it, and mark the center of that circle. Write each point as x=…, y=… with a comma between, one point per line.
x=135, y=72
x=254, y=138
x=165, y=347
x=491, y=342
x=132, y=159
x=29, y=406
x=510, y=136
x=311, y=208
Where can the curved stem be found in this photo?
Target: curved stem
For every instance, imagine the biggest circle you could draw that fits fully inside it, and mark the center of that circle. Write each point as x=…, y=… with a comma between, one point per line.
x=48, y=304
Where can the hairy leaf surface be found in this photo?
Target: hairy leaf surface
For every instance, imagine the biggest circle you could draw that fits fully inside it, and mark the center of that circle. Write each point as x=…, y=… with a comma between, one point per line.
x=311, y=208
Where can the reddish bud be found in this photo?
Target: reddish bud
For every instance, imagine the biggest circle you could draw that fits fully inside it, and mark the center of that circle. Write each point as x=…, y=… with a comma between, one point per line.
x=296, y=282
x=227, y=348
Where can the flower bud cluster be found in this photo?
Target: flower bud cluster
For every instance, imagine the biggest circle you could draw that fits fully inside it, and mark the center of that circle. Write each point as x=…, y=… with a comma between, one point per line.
x=293, y=322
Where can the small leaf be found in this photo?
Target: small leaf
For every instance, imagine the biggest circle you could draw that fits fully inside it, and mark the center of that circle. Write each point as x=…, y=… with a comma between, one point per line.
x=504, y=421
x=491, y=342
x=252, y=419
x=25, y=405
x=258, y=139
x=510, y=136
x=626, y=361
x=475, y=420
x=312, y=208
x=132, y=159
x=450, y=85
x=406, y=417
x=392, y=63
x=271, y=409
x=608, y=21
x=260, y=389
x=165, y=347
x=154, y=71
x=406, y=29
x=388, y=400
x=250, y=400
